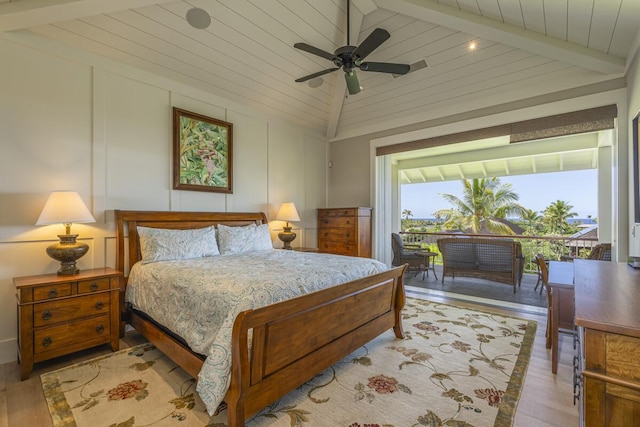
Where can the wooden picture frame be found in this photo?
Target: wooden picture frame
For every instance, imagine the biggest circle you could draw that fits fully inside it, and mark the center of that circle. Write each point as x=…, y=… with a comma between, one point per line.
x=202, y=153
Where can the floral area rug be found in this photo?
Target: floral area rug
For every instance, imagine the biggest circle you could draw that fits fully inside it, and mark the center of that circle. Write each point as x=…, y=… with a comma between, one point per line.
x=456, y=367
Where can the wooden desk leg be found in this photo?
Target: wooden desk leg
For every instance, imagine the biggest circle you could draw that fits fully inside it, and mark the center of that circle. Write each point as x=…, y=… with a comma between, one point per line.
x=554, y=331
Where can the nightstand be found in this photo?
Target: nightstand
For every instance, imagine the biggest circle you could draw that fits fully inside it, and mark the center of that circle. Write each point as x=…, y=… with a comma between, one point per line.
x=58, y=315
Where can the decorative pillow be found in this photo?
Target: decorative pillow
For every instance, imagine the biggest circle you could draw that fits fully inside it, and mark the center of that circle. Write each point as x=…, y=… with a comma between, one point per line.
x=241, y=239
x=161, y=244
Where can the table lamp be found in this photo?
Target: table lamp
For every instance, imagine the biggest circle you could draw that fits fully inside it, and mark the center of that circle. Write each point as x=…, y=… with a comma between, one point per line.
x=66, y=207
x=287, y=213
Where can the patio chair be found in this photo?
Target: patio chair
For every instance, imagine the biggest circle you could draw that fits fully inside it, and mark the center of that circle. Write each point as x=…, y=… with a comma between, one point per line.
x=551, y=327
x=601, y=252
x=540, y=281
x=404, y=253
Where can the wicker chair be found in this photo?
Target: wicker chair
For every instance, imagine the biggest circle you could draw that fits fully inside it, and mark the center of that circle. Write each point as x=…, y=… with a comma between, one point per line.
x=601, y=252
x=405, y=253
x=499, y=260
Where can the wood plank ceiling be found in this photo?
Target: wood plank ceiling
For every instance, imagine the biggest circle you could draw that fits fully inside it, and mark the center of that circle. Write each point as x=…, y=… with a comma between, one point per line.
x=524, y=48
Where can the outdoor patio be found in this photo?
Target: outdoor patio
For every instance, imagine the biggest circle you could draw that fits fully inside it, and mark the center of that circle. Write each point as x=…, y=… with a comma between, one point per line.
x=479, y=288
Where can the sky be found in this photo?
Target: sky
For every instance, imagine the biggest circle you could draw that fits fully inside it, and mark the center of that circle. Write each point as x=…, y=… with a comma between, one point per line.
x=578, y=188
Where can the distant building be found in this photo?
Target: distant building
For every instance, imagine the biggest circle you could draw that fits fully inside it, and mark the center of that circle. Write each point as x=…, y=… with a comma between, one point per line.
x=576, y=242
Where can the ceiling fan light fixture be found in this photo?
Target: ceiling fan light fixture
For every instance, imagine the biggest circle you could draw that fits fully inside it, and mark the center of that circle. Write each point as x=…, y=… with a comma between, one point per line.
x=353, y=85
x=198, y=18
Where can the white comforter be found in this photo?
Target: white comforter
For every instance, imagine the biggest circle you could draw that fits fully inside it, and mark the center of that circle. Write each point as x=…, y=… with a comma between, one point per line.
x=199, y=299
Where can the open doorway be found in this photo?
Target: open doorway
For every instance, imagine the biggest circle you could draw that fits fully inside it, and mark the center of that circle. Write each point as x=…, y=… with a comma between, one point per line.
x=589, y=156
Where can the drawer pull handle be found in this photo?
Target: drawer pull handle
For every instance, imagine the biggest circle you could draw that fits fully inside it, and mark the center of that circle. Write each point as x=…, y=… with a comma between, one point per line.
x=53, y=293
x=93, y=286
x=46, y=315
x=99, y=329
x=46, y=342
x=348, y=222
x=99, y=305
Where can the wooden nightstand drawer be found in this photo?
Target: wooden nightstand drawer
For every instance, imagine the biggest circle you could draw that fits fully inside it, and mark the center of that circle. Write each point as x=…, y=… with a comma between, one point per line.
x=48, y=313
x=86, y=286
x=42, y=293
x=92, y=331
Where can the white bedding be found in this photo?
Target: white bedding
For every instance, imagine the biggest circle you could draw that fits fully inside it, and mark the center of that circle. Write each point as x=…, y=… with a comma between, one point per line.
x=199, y=299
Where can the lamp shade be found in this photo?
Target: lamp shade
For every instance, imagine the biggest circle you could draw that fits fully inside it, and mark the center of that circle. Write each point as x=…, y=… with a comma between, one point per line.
x=64, y=207
x=288, y=212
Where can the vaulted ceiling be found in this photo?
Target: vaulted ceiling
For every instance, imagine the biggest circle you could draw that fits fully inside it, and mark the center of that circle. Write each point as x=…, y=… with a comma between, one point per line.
x=524, y=49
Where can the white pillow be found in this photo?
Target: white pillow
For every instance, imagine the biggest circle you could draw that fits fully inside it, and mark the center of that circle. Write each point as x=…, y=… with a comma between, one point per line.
x=241, y=239
x=161, y=244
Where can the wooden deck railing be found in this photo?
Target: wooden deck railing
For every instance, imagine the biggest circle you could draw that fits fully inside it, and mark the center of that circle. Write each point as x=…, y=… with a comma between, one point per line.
x=552, y=247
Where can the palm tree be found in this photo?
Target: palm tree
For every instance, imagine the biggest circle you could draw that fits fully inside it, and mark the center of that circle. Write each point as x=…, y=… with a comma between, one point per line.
x=406, y=223
x=484, y=203
x=556, y=215
x=532, y=221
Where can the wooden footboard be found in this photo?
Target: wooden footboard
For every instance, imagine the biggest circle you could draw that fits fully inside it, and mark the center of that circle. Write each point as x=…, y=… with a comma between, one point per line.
x=296, y=339
x=293, y=340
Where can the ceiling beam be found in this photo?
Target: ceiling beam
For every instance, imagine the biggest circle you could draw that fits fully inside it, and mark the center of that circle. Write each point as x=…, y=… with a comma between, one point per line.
x=365, y=6
x=33, y=13
x=532, y=149
x=507, y=34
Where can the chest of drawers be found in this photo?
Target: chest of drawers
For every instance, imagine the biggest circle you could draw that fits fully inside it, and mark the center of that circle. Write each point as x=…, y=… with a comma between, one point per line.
x=607, y=295
x=345, y=231
x=58, y=315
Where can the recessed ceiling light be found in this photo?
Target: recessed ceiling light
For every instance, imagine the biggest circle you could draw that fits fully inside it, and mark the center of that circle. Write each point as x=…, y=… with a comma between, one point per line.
x=473, y=45
x=198, y=18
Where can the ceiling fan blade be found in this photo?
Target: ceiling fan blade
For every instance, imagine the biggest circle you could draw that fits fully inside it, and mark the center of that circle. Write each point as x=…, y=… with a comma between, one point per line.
x=371, y=43
x=353, y=85
x=318, y=74
x=385, y=67
x=315, y=51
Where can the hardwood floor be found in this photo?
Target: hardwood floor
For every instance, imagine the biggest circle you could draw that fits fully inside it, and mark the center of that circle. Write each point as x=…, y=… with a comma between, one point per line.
x=546, y=400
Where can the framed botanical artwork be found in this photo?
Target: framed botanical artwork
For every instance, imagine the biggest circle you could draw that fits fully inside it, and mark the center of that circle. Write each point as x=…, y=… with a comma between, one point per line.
x=202, y=153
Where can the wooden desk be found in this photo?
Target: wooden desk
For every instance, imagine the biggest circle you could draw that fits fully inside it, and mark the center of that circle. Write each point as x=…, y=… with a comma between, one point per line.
x=561, y=278
x=607, y=303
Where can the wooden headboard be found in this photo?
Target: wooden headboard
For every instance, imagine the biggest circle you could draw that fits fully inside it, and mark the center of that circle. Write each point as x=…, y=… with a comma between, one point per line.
x=128, y=221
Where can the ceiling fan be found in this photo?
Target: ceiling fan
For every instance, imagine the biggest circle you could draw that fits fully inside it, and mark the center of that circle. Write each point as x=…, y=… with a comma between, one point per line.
x=350, y=57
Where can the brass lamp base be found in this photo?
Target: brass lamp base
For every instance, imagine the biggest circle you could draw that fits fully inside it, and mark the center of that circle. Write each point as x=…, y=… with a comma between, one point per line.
x=67, y=251
x=287, y=236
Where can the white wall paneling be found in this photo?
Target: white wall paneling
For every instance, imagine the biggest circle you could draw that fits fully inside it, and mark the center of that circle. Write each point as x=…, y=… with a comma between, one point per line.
x=78, y=122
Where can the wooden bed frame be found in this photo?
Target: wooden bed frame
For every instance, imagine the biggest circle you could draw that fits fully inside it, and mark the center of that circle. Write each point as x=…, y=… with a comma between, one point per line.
x=292, y=340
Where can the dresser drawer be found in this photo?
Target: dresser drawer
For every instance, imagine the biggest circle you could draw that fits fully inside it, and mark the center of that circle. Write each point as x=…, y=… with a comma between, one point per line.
x=621, y=357
x=327, y=213
x=41, y=293
x=338, y=248
x=92, y=331
x=48, y=313
x=337, y=222
x=86, y=286
x=345, y=235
